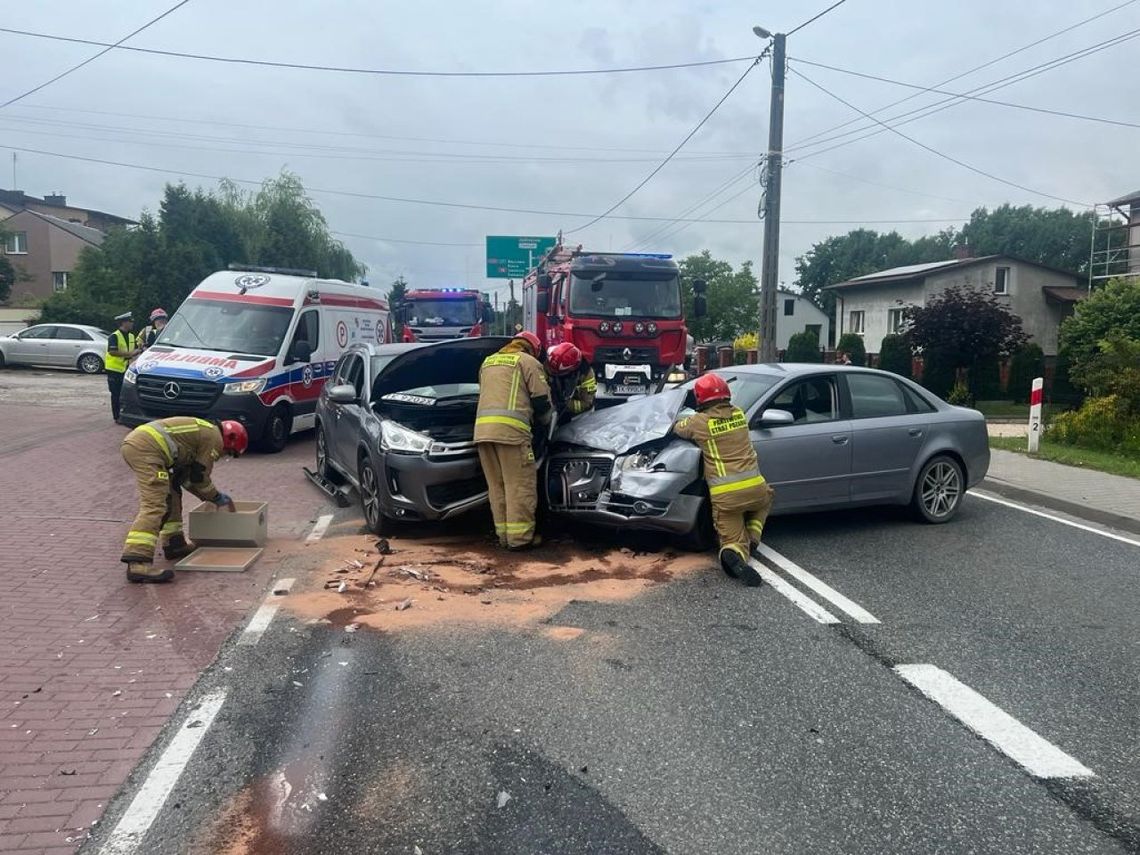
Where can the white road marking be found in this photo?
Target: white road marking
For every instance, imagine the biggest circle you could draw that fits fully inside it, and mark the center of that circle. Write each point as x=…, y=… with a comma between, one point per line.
x=320, y=528
x=264, y=615
x=989, y=497
x=818, y=585
x=1038, y=756
x=808, y=606
x=148, y=801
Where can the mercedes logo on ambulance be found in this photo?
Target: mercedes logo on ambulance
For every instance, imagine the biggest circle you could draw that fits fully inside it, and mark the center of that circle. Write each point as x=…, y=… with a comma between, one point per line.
x=171, y=390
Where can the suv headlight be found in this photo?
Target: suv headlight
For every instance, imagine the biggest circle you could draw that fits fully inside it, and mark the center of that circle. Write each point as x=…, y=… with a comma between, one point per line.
x=242, y=387
x=639, y=461
x=130, y=376
x=394, y=437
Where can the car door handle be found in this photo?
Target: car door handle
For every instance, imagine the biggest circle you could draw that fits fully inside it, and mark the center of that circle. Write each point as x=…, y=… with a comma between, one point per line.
x=841, y=439
x=915, y=431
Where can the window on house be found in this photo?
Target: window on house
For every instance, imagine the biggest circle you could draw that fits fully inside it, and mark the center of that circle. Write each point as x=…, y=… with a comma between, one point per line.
x=1001, y=280
x=16, y=243
x=789, y=308
x=59, y=280
x=856, y=322
x=895, y=320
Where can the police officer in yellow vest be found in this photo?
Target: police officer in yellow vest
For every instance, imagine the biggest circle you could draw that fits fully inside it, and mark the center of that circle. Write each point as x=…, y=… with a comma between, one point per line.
x=122, y=346
x=740, y=496
x=514, y=400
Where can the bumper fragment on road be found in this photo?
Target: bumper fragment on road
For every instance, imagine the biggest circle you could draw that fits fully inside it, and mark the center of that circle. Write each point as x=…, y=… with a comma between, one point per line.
x=1035, y=754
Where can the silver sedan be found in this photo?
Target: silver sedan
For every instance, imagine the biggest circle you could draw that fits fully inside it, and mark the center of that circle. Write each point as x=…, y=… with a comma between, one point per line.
x=56, y=345
x=827, y=437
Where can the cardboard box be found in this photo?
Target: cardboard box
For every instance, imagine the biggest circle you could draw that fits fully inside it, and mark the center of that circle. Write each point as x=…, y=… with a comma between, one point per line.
x=248, y=525
x=219, y=559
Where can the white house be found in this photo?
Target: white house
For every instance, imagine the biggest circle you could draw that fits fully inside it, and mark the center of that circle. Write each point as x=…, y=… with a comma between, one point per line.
x=796, y=313
x=1040, y=296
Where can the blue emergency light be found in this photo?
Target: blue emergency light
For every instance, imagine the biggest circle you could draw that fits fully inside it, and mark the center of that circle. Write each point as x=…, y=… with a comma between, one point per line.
x=661, y=255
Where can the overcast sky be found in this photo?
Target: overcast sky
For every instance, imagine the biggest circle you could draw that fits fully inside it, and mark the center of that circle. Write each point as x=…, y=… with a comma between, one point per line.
x=568, y=144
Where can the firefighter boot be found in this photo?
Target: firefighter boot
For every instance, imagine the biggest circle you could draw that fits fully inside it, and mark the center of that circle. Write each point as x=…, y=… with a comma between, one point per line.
x=735, y=565
x=177, y=547
x=145, y=571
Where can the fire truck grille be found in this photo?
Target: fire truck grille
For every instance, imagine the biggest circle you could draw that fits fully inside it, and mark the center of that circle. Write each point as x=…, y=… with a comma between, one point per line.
x=617, y=355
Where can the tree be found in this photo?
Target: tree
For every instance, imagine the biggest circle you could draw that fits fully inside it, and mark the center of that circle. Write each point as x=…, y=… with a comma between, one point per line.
x=803, y=347
x=732, y=306
x=397, y=291
x=194, y=234
x=1114, y=370
x=7, y=277
x=852, y=345
x=962, y=329
x=895, y=355
x=1028, y=362
x=1113, y=308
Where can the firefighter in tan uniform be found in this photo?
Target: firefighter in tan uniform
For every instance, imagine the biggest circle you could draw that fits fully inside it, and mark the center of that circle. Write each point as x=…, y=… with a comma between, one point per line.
x=740, y=496
x=168, y=455
x=514, y=399
x=572, y=381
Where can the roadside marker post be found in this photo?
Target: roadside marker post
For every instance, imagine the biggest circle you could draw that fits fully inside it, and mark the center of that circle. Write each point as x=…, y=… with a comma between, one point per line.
x=1035, y=396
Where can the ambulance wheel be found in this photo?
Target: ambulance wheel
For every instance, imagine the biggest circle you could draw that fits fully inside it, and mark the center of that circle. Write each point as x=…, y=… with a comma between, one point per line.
x=276, y=434
x=370, y=498
x=90, y=363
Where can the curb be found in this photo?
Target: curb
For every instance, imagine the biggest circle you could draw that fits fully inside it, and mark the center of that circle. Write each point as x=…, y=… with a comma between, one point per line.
x=1075, y=509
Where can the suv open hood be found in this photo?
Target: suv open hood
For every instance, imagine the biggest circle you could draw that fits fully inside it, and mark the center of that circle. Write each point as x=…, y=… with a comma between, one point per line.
x=626, y=426
x=456, y=361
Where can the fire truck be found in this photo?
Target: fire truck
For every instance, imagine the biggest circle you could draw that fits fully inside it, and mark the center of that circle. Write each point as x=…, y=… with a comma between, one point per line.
x=439, y=314
x=622, y=310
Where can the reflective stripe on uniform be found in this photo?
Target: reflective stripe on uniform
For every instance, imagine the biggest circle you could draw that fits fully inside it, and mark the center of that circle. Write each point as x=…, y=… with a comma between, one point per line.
x=160, y=436
x=737, y=548
x=756, y=527
x=731, y=486
x=141, y=538
x=735, y=422
x=126, y=343
x=172, y=528
x=518, y=527
x=589, y=385
x=502, y=417
x=498, y=359
x=717, y=460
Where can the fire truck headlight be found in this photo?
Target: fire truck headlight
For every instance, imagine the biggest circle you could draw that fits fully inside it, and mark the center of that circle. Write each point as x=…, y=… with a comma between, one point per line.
x=604, y=327
x=639, y=328
x=617, y=327
x=652, y=328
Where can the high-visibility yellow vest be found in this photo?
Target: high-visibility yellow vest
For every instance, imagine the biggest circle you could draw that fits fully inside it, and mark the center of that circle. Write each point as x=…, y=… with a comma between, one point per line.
x=126, y=343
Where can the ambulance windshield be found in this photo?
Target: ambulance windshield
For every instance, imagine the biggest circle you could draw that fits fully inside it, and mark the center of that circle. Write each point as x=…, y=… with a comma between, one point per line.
x=229, y=326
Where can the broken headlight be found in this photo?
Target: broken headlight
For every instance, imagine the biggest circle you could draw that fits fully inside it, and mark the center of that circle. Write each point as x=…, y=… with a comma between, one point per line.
x=394, y=437
x=638, y=461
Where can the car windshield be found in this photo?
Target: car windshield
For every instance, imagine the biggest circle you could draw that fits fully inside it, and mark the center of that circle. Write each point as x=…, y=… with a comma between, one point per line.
x=438, y=392
x=229, y=326
x=625, y=295
x=747, y=388
x=443, y=313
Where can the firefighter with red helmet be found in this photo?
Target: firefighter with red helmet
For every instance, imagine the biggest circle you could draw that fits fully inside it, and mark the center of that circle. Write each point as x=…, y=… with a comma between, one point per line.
x=514, y=404
x=740, y=496
x=572, y=381
x=167, y=456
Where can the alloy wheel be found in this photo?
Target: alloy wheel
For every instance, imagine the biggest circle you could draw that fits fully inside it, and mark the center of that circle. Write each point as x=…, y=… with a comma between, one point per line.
x=369, y=493
x=941, y=489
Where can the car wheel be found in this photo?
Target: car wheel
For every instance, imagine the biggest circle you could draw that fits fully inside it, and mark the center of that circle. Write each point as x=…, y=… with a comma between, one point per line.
x=276, y=435
x=323, y=468
x=370, y=498
x=2, y=364
x=702, y=536
x=939, y=489
x=90, y=363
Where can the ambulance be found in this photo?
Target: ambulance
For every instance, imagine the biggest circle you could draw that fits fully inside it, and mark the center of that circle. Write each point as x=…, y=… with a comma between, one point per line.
x=256, y=344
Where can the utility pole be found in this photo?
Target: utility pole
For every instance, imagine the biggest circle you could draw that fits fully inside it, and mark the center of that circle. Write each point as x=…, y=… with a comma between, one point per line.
x=774, y=164
x=511, y=285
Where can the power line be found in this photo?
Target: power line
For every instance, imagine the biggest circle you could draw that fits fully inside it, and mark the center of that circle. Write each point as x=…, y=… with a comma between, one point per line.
x=386, y=72
x=966, y=96
x=935, y=151
x=946, y=103
x=815, y=18
x=863, y=180
x=976, y=68
x=668, y=157
x=659, y=231
x=403, y=240
x=106, y=48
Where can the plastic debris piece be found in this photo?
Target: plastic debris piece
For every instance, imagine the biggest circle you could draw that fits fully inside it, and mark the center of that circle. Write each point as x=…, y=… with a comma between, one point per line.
x=322, y=797
x=352, y=627
x=383, y=547
x=404, y=604
x=504, y=797
x=116, y=693
x=295, y=683
x=342, y=587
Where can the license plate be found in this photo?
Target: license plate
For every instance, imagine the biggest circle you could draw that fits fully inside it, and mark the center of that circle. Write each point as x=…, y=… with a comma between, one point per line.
x=630, y=389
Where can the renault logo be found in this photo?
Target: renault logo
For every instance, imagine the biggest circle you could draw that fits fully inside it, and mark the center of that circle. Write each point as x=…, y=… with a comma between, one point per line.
x=627, y=354
x=171, y=390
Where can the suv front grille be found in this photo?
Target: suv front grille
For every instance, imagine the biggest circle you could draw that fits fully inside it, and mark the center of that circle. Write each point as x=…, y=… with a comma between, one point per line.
x=441, y=495
x=616, y=356
x=576, y=483
x=176, y=396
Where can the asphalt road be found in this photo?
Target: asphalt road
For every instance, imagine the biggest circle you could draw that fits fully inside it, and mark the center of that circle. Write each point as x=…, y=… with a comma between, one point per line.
x=697, y=717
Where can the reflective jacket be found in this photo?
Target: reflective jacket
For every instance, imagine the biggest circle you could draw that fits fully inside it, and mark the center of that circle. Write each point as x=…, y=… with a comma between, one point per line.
x=189, y=446
x=513, y=396
x=575, y=394
x=123, y=343
x=721, y=431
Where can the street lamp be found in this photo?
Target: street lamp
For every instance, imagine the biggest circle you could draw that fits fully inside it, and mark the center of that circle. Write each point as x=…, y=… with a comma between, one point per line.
x=774, y=160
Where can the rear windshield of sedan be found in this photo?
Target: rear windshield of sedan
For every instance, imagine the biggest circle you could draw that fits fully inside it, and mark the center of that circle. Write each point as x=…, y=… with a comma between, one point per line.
x=439, y=392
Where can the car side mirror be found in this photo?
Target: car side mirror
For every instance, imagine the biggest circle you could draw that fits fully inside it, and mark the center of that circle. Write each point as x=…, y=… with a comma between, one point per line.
x=342, y=394
x=301, y=351
x=488, y=314
x=700, y=306
x=769, y=418
x=542, y=303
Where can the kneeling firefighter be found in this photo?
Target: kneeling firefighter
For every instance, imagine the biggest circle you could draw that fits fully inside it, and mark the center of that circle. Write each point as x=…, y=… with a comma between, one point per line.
x=166, y=456
x=740, y=496
x=514, y=400
x=572, y=381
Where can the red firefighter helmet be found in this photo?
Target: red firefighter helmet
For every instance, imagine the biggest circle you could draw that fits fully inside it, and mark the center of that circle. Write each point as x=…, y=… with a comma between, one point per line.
x=563, y=358
x=710, y=388
x=235, y=439
x=533, y=342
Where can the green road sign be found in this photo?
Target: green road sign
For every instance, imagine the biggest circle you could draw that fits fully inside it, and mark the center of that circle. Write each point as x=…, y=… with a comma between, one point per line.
x=511, y=257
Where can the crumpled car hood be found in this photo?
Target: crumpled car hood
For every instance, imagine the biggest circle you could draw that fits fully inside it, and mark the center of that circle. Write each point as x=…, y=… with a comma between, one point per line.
x=438, y=364
x=626, y=426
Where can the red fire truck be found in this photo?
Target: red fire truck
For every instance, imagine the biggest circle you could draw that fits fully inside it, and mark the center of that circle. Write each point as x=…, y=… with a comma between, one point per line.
x=439, y=314
x=622, y=310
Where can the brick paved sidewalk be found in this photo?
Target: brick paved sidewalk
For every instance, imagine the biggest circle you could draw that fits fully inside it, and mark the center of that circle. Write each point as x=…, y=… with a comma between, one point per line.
x=1110, y=498
x=91, y=667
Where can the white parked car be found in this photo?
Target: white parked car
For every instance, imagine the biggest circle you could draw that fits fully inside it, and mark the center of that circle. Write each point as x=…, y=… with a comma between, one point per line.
x=56, y=345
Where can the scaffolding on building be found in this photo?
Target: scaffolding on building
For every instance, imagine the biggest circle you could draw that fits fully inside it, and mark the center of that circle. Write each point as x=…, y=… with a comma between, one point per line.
x=1115, y=246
